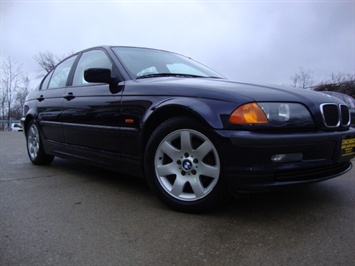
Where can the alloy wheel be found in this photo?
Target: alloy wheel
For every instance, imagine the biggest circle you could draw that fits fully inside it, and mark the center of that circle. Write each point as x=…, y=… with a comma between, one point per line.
x=187, y=165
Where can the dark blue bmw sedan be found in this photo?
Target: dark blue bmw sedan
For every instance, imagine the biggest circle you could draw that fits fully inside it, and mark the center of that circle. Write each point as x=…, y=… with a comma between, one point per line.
x=195, y=135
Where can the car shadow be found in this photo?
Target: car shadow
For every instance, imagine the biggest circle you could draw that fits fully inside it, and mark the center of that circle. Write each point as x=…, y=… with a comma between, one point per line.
x=310, y=199
x=99, y=175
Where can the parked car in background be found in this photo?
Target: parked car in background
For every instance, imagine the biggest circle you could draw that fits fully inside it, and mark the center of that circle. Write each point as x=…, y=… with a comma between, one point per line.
x=195, y=135
x=16, y=127
x=350, y=101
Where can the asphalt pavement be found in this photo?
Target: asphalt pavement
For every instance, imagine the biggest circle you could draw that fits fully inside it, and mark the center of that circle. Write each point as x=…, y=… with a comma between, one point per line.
x=75, y=214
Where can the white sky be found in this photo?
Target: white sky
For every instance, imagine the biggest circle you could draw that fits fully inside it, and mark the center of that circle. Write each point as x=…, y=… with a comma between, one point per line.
x=261, y=41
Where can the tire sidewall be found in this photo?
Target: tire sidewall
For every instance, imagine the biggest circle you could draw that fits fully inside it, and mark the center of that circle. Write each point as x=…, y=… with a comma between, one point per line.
x=42, y=158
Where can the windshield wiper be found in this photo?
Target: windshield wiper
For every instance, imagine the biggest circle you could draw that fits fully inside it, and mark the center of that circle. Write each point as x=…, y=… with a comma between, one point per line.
x=157, y=75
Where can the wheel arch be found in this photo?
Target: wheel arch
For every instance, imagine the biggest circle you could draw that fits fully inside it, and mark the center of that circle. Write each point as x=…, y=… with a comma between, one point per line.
x=29, y=111
x=198, y=110
x=28, y=118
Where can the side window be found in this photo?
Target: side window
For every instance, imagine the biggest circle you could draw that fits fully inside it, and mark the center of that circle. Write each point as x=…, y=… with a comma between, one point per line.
x=61, y=73
x=91, y=59
x=45, y=82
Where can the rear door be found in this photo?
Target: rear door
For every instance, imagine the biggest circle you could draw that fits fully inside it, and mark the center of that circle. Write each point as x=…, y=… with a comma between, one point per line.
x=90, y=110
x=50, y=100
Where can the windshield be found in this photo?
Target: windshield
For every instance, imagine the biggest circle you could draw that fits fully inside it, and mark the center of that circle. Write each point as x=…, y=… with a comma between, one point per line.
x=146, y=63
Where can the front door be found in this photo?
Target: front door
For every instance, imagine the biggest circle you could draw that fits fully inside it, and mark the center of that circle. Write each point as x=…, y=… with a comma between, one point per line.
x=90, y=110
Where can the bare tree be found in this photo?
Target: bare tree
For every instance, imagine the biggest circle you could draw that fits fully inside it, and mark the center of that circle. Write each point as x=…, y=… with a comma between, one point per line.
x=303, y=79
x=338, y=78
x=340, y=82
x=21, y=94
x=11, y=82
x=47, y=61
x=2, y=101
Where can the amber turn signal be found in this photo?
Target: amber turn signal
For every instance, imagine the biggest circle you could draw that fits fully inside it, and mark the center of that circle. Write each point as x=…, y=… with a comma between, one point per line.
x=129, y=121
x=249, y=113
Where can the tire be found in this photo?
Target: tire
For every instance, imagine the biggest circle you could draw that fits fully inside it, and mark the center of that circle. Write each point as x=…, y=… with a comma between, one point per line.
x=35, y=148
x=183, y=166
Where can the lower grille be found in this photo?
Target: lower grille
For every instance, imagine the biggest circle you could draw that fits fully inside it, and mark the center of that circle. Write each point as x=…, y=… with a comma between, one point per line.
x=312, y=173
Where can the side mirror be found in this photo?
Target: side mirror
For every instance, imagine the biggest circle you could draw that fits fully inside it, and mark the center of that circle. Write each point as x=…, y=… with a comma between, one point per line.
x=98, y=75
x=103, y=75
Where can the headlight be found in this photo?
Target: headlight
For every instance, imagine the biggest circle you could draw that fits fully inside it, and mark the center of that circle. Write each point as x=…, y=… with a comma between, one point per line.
x=271, y=113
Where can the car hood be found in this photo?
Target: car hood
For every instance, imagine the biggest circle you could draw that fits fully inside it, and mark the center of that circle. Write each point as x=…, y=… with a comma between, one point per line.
x=226, y=90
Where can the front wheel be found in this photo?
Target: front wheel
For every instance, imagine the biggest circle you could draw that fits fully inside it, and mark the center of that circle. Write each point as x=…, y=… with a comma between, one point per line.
x=35, y=148
x=183, y=166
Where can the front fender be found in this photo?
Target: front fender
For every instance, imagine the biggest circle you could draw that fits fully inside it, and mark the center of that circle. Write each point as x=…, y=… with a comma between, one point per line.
x=213, y=112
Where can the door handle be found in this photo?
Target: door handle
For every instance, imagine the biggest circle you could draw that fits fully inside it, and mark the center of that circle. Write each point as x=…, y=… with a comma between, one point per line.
x=40, y=98
x=69, y=96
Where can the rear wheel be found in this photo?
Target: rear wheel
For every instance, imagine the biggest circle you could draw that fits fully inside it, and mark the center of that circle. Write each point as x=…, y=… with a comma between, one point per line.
x=183, y=166
x=35, y=147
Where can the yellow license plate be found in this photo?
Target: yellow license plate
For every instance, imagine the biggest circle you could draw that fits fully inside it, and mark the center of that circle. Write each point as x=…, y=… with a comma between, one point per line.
x=347, y=147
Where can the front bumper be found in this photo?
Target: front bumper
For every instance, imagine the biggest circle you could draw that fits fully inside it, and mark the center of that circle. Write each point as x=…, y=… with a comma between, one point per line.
x=250, y=158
